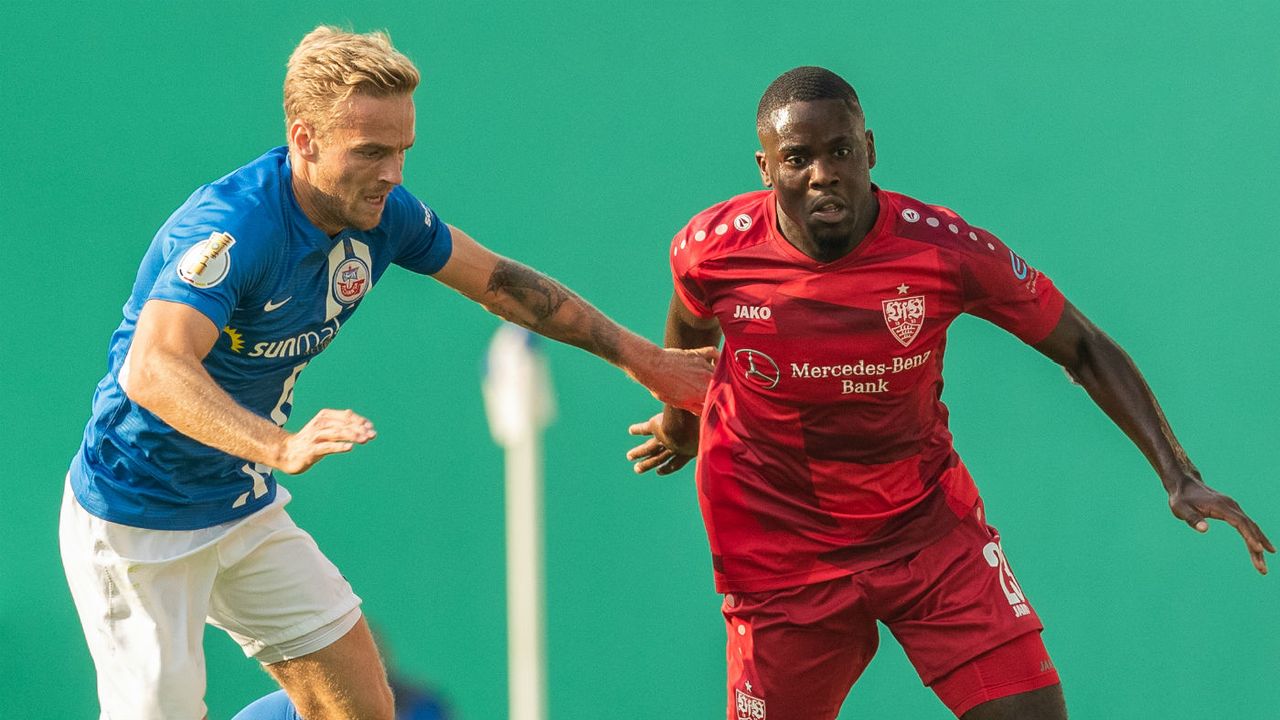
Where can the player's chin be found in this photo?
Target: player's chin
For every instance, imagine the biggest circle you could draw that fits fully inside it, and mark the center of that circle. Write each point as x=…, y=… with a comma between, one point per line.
x=366, y=219
x=834, y=234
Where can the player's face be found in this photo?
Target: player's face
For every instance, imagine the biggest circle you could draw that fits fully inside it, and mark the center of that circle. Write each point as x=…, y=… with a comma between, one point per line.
x=359, y=159
x=817, y=156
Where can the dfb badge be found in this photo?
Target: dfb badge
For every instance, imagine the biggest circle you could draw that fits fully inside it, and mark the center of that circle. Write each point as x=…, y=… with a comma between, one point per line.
x=905, y=317
x=750, y=707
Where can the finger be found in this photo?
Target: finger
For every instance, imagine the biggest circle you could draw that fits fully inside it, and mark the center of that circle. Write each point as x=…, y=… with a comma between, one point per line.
x=674, y=464
x=645, y=449
x=648, y=464
x=342, y=433
x=1254, y=539
x=641, y=428
x=708, y=353
x=332, y=448
x=1263, y=542
x=1259, y=562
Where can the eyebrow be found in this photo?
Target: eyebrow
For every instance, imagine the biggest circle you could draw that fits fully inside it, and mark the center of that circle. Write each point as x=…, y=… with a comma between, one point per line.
x=796, y=147
x=378, y=146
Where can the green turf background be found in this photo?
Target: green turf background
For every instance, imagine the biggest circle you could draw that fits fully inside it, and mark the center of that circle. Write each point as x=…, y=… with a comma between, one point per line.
x=1128, y=149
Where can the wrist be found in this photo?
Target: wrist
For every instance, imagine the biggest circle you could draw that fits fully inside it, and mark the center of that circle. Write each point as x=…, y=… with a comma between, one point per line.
x=638, y=357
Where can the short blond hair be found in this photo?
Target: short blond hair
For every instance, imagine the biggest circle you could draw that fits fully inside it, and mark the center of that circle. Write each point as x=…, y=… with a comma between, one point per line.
x=330, y=65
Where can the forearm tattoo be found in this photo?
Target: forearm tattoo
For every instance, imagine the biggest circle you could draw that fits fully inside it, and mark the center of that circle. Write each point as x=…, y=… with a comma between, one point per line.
x=538, y=299
x=535, y=292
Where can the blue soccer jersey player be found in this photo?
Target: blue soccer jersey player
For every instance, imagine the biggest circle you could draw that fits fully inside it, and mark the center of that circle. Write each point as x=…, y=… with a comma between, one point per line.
x=172, y=517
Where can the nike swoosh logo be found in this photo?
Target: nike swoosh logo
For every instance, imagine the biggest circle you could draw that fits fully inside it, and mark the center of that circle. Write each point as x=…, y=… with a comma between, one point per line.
x=275, y=305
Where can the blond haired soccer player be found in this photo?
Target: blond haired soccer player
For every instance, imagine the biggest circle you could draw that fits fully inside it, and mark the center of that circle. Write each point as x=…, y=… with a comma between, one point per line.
x=832, y=495
x=172, y=517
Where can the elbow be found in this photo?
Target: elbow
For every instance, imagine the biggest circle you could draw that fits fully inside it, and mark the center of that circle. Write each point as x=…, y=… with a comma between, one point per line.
x=140, y=377
x=1090, y=352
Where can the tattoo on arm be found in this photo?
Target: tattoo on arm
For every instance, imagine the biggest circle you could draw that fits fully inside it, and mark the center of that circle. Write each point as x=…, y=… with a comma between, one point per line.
x=534, y=301
x=536, y=292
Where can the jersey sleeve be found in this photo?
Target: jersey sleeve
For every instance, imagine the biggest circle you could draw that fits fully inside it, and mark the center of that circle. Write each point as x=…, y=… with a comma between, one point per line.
x=684, y=273
x=425, y=242
x=212, y=255
x=1000, y=287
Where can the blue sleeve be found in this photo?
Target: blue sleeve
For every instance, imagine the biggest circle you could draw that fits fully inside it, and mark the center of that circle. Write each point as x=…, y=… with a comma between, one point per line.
x=213, y=254
x=424, y=240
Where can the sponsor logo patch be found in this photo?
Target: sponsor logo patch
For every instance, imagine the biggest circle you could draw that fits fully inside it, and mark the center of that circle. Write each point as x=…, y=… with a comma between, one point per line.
x=207, y=262
x=757, y=368
x=1019, y=266
x=904, y=317
x=752, y=312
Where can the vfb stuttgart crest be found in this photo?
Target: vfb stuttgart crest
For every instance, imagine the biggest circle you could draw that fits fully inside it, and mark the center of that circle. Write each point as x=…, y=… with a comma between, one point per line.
x=905, y=317
x=350, y=280
x=750, y=707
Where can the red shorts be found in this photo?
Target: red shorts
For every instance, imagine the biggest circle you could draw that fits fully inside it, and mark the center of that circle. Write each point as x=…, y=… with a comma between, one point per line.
x=954, y=606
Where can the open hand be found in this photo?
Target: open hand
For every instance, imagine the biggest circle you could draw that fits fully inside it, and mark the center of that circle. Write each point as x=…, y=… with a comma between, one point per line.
x=329, y=432
x=1193, y=502
x=660, y=451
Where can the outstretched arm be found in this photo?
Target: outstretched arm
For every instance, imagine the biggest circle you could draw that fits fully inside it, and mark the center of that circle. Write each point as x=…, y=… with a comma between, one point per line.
x=1110, y=377
x=529, y=298
x=673, y=440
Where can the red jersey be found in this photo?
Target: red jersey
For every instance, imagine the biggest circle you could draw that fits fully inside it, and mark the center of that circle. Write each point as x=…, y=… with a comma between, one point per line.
x=824, y=447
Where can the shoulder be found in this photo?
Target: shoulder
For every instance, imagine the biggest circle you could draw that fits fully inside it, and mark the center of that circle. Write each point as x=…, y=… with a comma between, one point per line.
x=936, y=225
x=246, y=207
x=406, y=212
x=247, y=204
x=722, y=229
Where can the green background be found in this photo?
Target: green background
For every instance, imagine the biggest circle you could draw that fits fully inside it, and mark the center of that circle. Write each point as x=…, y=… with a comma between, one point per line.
x=1127, y=149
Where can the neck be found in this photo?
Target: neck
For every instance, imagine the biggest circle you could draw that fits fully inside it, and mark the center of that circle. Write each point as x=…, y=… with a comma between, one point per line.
x=831, y=249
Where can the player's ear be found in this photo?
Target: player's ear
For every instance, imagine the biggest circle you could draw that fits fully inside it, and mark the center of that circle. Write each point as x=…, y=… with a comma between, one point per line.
x=764, y=169
x=302, y=137
x=871, y=150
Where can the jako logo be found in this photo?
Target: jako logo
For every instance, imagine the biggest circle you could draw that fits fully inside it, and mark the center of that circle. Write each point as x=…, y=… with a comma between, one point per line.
x=752, y=312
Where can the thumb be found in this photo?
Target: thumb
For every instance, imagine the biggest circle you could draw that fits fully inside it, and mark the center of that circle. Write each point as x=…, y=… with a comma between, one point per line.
x=708, y=353
x=1196, y=521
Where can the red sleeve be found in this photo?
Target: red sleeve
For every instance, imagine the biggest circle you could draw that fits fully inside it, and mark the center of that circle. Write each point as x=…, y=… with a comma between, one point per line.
x=683, y=269
x=1000, y=287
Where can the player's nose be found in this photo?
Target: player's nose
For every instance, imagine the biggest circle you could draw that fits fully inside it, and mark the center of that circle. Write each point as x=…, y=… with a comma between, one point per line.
x=822, y=173
x=393, y=170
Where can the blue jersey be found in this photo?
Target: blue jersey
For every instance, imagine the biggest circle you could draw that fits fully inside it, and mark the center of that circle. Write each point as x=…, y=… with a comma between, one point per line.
x=240, y=251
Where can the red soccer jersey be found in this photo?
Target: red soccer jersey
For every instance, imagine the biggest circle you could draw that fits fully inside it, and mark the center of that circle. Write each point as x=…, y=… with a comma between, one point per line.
x=824, y=446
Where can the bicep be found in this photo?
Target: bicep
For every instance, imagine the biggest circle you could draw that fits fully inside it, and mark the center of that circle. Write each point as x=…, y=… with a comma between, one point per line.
x=174, y=329
x=686, y=329
x=1067, y=342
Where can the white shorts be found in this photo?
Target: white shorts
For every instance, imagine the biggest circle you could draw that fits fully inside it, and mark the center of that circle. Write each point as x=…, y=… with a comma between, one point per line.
x=144, y=597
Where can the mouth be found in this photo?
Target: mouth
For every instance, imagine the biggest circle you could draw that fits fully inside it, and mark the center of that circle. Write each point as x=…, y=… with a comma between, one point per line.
x=376, y=201
x=828, y=209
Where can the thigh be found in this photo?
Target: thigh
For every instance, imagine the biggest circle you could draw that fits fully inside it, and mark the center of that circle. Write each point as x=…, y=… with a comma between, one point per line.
x=143, y=620
x=956, y=602
x=794, y=654
x=277, y=594
x=1015, y=680
x=346, y=679
x=1046, y=703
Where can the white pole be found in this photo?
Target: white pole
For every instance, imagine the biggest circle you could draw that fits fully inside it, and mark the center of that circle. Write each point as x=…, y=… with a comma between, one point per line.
x=518, y=401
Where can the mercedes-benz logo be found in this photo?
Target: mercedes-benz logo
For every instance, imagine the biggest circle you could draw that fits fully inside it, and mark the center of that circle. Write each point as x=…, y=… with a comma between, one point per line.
x=757, y=367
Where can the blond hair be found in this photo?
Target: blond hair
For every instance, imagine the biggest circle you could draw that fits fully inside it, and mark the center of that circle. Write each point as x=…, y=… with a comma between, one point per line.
x=330, y=65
